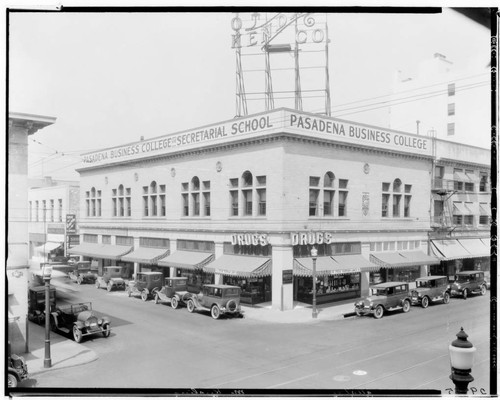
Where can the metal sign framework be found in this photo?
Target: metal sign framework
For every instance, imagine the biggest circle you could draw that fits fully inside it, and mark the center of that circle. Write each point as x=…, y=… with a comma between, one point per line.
x=300, y=30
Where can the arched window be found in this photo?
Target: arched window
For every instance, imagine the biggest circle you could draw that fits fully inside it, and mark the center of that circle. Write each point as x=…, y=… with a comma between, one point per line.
x=396, y=186
x=249, y=191
x=195, y=198
x=247, y=179
x=329, y=179
x=122, y=198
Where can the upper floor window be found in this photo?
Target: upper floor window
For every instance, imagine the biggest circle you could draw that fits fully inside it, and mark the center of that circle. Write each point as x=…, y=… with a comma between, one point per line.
x=250, y=190
x=93, y=203
x=60, y=206
x=451, y=128
x=195, y=197
x=44, y=210
x=36, y=210
x=451, y=89
x=153, y=199
x=483, y=182
x=328, y=196
x=122, y=202
x=451, y=109
x=88, y=238
x=399, y=196
x=30, y=210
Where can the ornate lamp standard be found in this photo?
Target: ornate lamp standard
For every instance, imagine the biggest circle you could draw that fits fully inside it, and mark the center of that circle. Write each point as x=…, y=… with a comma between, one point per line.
x=46, y=272
x=314, y=255
x=461, y=357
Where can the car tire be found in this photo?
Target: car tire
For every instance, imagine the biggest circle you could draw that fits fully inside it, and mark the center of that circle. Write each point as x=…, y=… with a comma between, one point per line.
x=77, y=334
x=190, y=305
x=109, y=287
x=106, y=331
x=483, y=290
x=379, y=312
x=12, y=381
x=174, y=303
x=406, y=306
x=425, y=302
x=465, y=294
x=215, y=311
x=446, y=298
x=144, y=295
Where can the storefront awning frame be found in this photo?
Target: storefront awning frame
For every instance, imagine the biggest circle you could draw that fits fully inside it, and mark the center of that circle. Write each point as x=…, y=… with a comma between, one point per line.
x=146, y=255
x=449, y=249
x=47, y=247
x=241, y=266
x=191, y=260
x=403, y=259
x=99, y=250
x=325, y=266
x=476, y=247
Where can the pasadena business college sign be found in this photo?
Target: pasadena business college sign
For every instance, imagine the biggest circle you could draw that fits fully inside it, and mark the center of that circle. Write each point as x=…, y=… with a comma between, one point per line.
x=281, y=120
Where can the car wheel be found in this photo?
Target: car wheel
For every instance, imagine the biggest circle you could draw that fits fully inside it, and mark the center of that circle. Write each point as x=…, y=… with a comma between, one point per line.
x=106, y=331
x=425, y=302
x=144, y=295
x=465, y=294
x=483, y=290
x=406, y=306
x=215, y=311
x=109, y=287
x=77, y=334
x=358, y=312
x=12, y=381
x=174, y=302
x=446, y=298
x=379, y=312
x=79, y=280
x=190, y=305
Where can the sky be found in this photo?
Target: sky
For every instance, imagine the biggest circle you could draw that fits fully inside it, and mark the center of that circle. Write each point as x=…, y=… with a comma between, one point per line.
x=110, y=78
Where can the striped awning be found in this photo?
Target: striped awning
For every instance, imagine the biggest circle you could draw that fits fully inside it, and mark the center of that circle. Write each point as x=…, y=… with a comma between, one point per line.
x=402, y=259
x=475, y=247
x=324, y=266
x=241, y=266
x=449, y=249
x=146, y=255
x=186, y=259
x=98, y=250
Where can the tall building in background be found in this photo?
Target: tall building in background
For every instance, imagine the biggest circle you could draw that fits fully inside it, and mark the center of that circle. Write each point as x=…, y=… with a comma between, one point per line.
x=443, y=101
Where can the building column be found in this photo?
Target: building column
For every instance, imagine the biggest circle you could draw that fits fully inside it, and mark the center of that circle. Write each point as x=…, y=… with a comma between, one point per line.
x=282, y=294
x=136, y=264
x=219, y=252
x=173, y=249
x=365, y=283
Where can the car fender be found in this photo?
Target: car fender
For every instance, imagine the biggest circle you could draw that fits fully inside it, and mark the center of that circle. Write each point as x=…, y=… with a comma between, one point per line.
x=409, y=299
x=79, y=324
x=105, y=320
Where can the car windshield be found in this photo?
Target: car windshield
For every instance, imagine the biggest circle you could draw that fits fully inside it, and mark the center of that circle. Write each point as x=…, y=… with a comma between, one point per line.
x=232, y=292
x=379, y=291
x=463, y=278
x=423, y=284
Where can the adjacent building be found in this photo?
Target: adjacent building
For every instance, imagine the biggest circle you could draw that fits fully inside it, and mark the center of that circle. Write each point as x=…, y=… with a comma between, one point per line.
x=245, y=201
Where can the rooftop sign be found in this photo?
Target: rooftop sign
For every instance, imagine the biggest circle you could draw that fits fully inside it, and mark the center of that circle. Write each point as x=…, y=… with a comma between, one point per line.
x=262, y=125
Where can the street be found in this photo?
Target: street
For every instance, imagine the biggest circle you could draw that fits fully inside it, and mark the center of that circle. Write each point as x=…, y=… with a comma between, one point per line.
x=155, y=346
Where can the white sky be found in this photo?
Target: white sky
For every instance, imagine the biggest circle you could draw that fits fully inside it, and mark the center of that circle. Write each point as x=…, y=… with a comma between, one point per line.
x=110, y=78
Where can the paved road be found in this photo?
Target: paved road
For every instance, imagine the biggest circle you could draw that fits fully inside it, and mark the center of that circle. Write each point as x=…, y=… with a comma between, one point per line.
x=155, y=346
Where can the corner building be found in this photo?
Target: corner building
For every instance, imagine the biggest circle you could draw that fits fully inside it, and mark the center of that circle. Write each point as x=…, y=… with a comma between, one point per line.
x=244, y=201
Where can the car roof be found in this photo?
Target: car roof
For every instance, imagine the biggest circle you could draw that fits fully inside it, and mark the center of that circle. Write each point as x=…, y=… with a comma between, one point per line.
x=113, y=266
x=151, y=273
x=176, y=277
x=222, y=286
x=431, y=278
x=468, y=272
x=389, y=284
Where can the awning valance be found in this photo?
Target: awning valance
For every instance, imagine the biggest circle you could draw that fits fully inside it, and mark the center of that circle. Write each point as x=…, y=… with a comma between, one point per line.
x=186, y=259
x=475, y=247
x=98, y=250
x=324, y=266
x=460, y=209
x=241, y=266
x=449, y=249
x=484, y=209
x=461, y=176
x=354, y=261
x=48, y=247
x=401, y=259
x=146, y=255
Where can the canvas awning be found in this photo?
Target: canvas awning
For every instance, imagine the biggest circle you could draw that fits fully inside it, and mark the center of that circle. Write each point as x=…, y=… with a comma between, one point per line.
x=186, y=259
x=449, y=249
x=241, y=266
x=99, y=250
x=475, y=247
x=484, y=209
x=146, y=255
x=402, y=259
x=47, y=247
x=460, y=209
x=461, y=176
x=324, y=266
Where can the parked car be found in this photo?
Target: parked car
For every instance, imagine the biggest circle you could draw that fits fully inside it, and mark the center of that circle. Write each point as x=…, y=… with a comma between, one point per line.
x=468, y=282
x=174, y=291
x=145, y=284
x=431, y=288
x=218, y=299
x=387, y=296
x=82, y=273
x=80, y=320
x=111, y=279
x=17, y=370
x=36, y=303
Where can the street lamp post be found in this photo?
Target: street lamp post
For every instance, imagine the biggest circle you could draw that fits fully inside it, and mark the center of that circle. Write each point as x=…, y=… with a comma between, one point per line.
x=46, y=272
x=461, y=358
x=314, y=255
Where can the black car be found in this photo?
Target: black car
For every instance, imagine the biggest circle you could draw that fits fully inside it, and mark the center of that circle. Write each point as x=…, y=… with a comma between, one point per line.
x=36, y=303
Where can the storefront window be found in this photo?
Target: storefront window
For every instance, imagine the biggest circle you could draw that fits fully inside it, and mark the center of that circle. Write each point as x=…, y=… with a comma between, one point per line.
x=253, y=290
x=328, y=288
x=328, y=249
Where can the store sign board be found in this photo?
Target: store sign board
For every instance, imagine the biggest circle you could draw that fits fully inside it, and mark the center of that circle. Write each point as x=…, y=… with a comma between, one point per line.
x=287, y=276
x=250, y=239
x=311, y=238
x=70, y=223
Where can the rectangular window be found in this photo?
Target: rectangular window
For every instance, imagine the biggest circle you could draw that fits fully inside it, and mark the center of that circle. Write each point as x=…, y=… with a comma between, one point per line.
x=93, y=205
x=407, y=206
x=483, y=220
x=233, y=182
x=261, y=197
x=439, y=171
x=114, y=207
x=385, y=205
x=313, y=202
x=247, y=202
x=195, y=197
x=106, y=239
x=88, y=238
x=52, y=210
x=128, y=201
x=469, y=186
x=396, y=205
x=328, y=202
x=206, y=201
x=163, y=206
x=343, y=183
x=407, y=188
x=125, y=240
x=457, y=220
x=386, y=186
x=234, y=203
x=154, y=242
x=185, y=187
x=36, y=210
x=44, y=210
x=314, y=181
x=261, y=181
x=468, y=219
x=451, y=109
x=451, y=89
x=451, y=128
x=31, y=211
x=60, y=210
x=459, y=186
x=154, y=206
x=483, y=183
x=342, y=203
x=185, y=205
x=122, y=207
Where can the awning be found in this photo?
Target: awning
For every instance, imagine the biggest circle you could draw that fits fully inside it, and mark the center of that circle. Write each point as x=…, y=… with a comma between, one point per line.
x=48, y=247
x=186, y=260
x=324, y=266
x=98, y=250
x=401, y=259
x=354, y=261
x=460, y=176
x=449, y=249
x=484, y=209
x=146, y=255
x=460, y=209
x=476, y=247
x=241, y=266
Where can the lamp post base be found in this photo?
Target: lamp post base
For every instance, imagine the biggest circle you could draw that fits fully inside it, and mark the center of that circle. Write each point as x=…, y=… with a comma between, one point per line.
x=461, y=378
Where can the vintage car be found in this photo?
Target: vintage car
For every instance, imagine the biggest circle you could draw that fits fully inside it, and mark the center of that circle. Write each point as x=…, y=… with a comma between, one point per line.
x=82, y=273
x=145, y=284
x=111, y=279
x=431, y=288
x=174, y=291
x=468, y=282
x=36, y=303
x=80, y=320
x=17, y=370
x=218, y=299
x=387, y=296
